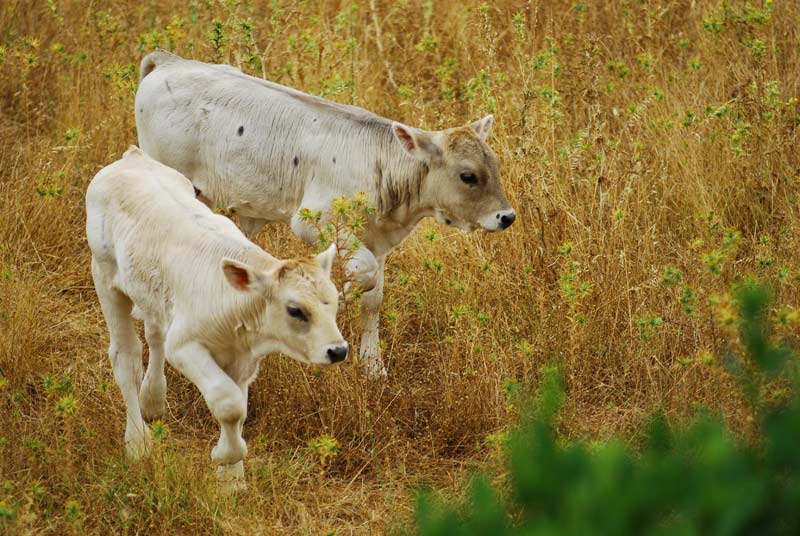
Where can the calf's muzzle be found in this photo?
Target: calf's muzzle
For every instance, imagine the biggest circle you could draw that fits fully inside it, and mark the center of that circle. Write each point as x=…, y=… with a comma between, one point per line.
x=337, y=353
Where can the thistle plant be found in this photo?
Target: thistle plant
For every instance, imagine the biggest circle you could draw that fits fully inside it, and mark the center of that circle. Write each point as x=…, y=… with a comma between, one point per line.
x=609, y=136
x=7, y=513
x=49, y=189
x=648, y=325
x=217, y=37
x=66, y=406
x=343, y=225
x=175, y=32
x=326, y=447
x=574, y=289
x=159, y=431
x=123, y=79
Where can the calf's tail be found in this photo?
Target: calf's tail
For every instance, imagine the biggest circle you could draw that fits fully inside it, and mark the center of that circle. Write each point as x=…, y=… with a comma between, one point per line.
x=132, y=151
x=153, y=60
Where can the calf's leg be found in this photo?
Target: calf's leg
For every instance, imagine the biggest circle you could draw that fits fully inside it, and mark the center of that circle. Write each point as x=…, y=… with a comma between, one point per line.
x=223, y=396
x=251, y=226
x=370, y=351
x=125, y=351
x=231, y=477
x=152, y=396
x=366, y=271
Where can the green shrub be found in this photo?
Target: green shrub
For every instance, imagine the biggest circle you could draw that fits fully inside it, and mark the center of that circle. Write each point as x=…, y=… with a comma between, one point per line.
x=695, y=478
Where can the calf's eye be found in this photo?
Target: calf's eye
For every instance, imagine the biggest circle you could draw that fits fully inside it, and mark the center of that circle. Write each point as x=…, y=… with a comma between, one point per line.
x=469, y=178
x=296, y=312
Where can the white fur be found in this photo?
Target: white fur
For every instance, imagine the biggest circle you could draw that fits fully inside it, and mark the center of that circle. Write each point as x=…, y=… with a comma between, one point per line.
x=265, y=151
x=213, y=303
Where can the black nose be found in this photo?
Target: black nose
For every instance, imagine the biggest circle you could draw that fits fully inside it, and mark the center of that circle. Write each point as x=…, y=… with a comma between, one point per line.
x=507, y=219
x=337, y=354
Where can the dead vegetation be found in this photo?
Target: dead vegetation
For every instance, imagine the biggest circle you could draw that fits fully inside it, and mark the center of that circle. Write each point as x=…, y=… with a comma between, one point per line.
x=649, y=148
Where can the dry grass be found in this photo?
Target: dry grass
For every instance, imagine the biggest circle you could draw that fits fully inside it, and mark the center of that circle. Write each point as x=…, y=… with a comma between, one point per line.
x=632, y=135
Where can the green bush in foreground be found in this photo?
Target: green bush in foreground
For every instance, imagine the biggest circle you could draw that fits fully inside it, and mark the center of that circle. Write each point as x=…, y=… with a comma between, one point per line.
x=693, y=479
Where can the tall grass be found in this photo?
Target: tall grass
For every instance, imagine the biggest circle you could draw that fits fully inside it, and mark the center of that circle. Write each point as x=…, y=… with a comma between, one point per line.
x=651, y=152
x=693, y=478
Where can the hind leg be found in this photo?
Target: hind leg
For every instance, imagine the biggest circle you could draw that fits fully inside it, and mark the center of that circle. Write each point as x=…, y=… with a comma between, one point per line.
x=125, y=351
x=251, y=226
x=152, y=396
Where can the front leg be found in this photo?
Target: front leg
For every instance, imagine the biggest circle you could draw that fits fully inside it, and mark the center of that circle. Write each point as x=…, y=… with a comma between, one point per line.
x=231, y=477
x=366, y=271
x=223, y=397
x=370, y=351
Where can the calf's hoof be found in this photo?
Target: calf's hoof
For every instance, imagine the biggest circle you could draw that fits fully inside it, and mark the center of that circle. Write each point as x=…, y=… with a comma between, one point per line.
x=373, y=368
x=137, y=445
x=225, y=453
x=230, y=478
x=152, y=400
x=153, y=412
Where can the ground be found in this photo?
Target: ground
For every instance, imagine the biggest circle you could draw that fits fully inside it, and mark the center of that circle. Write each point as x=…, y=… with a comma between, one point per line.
x=649, y=148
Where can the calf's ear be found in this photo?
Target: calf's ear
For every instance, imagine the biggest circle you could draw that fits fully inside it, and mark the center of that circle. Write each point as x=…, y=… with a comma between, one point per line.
x=325, y=259
x=416, y=142
x=483, y=127
x=243, y=277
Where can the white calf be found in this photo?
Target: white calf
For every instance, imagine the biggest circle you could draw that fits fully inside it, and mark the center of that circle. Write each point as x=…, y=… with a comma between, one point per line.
x=213, y=303
x=266, y=151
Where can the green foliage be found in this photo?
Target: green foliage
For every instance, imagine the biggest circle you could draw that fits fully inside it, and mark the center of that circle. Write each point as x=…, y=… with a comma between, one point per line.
x=72, y=508
x=671, y=276
x=66, y=406
x=695, y=478
x=123, y=79
x=217, y=35
x=48, y=189
x=574, y=289
x=758, y=48
x=62, y=384
x=687, y=300
x=325, y=447
x=713, y=261
x=344, y=224
x=159, y=431
x=618, y=68
x=648, y=325
x=6, y=513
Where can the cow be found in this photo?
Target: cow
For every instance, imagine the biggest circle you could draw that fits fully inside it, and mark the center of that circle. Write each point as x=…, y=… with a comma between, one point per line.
x=265, y=151
x=213, y=303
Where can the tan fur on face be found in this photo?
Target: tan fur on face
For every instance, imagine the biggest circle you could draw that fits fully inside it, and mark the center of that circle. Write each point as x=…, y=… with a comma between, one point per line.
x=463, y=142
x=461, y=136
x=306, y=275
x=302, y=266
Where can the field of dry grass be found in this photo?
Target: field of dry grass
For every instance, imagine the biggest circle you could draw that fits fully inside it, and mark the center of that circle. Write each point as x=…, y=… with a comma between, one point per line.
x=650, y=149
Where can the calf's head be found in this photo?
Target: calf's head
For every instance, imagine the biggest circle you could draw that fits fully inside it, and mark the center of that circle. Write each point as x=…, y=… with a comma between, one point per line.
x=296, y=304
x=463, y=181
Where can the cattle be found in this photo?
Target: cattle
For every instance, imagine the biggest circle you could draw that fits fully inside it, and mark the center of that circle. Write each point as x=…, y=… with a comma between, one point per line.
x=213, y=303
x=265, y=151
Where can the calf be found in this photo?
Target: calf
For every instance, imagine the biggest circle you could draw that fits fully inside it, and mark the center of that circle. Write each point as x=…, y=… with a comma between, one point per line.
x=213, y=303
x=265, y=151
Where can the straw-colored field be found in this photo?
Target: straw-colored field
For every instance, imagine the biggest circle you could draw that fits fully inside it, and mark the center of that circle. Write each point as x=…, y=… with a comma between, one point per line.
x=650, y=149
